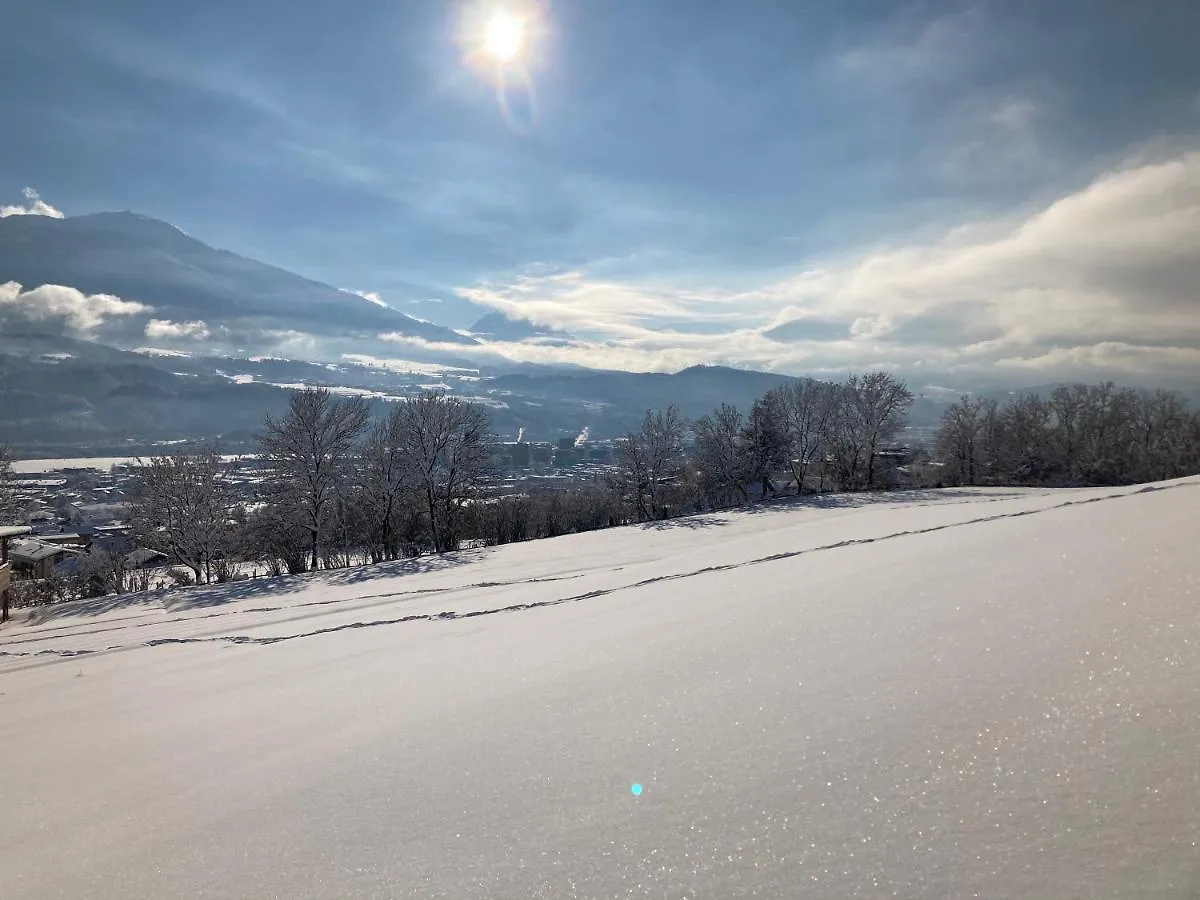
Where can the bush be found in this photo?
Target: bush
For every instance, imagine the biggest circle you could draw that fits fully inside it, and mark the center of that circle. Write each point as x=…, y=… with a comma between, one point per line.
x=181, y=578
x=41, y=591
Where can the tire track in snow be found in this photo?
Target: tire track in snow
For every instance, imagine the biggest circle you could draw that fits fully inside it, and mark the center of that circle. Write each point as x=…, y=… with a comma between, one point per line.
x=450, y=615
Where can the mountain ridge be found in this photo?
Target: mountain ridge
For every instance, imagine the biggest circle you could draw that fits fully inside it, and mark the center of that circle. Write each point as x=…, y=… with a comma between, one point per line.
x=501, y=327
x=149, y=261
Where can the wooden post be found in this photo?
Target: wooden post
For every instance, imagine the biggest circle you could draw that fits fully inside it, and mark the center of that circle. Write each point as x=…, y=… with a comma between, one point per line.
x=5, y=574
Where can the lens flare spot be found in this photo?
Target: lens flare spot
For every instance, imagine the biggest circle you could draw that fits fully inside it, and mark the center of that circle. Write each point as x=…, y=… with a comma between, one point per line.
x=636, y=790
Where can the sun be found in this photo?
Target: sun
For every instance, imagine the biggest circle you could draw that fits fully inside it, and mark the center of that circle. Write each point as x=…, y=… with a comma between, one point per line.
x=503, y=37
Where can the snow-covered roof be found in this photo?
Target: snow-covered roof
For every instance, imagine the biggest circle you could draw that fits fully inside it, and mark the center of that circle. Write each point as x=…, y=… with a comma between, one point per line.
x=143, y=556
x=34, y=551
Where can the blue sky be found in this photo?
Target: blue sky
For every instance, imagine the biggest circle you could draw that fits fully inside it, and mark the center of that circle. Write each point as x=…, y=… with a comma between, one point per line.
x=681, y=179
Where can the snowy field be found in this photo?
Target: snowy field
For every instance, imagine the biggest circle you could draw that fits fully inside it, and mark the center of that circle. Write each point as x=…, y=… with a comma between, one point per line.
x=987, y=693
x=46, y=466
x=99, y=463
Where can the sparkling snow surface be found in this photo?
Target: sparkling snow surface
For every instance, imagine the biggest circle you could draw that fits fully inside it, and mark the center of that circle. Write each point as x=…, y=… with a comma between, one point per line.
x=954, y=694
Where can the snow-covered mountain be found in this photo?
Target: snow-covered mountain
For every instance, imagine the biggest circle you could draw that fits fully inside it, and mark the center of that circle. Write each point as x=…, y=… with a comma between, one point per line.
x=60, y=395
x=182, y=280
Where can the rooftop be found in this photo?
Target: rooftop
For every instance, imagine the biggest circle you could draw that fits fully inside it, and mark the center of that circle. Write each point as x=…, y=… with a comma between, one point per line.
x=9, y=531
x=34, y=551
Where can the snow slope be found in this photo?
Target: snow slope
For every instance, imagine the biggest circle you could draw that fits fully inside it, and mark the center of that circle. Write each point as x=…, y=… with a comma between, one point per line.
x=960, y=693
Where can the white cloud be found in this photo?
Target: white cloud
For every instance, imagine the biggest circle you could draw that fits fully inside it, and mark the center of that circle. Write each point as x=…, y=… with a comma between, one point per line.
x=164, y=328
x=36, y=207
x=80, y=312
x=593, y=355
x=290, y=343
x=571, y=301
x=1100, y=283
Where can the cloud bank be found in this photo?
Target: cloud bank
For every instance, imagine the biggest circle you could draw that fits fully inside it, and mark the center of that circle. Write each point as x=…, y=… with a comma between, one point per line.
x=1103, y=282
x=164, y=328
x=78, y=312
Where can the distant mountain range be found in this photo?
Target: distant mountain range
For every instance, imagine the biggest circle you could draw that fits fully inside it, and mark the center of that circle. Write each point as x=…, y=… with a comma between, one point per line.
x=210, y=370
x=61, y=396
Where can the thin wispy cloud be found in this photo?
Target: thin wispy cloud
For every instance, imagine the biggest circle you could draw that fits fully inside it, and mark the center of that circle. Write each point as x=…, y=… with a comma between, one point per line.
x=910, y=48
x=289, y=341
x=228, y=78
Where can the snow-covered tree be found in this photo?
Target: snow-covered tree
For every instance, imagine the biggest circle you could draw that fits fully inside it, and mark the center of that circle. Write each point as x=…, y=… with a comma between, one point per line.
x=181, y=506
x=809, y=408
x=718, y=455
x=650, y=460
x=444, y=439
x=765, y=444
x=309, y=448
x=10, y=509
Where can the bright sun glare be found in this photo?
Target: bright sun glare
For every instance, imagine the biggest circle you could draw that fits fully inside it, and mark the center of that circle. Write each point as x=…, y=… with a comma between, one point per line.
x=503, y=37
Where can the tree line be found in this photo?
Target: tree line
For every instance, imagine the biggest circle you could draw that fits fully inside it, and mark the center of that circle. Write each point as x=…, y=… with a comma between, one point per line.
x=1078, y=435
x=341, y=488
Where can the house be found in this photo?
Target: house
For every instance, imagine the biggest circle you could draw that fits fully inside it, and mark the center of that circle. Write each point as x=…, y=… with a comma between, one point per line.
x=35, y=558
x=145, y=558
x=114, y=528
x=113, y=542
x=65, y=539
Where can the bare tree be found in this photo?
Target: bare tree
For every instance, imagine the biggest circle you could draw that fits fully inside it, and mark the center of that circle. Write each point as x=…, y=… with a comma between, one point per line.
x=445, y=440
x=845, y=440
x=650, y=459
x=1067, y=403
x=871, y=410
x=99, y=572
x=764, y=444
x=1085, y=434
x=1025, y=450
x=1166, y=435
x=10, y=508
x=310, y=446
x=881, y=403
x=1106, y=434
x=808, y=408
x=272, y=533
x=388, y=477
x=181, y=506
x=959, y=438
x=991, y=439
x=718, y=455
